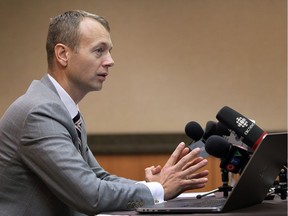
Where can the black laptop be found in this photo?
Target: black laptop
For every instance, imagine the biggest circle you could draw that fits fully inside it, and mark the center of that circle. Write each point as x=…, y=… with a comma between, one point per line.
x=252, y=187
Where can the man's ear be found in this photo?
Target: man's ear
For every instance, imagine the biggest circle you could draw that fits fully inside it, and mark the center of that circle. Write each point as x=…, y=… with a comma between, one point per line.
x=61, y=54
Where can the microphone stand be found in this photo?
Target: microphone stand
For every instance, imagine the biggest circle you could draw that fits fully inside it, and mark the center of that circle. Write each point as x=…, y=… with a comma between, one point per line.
x=225, y=188
x=281, y=185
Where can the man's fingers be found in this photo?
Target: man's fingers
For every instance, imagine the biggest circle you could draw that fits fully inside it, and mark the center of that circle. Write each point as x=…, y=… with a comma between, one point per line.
x=185, y=151
x=193, y=162
x=156, y=170
x=182, y=163
x=199, y=175
x=195, y=167
x=175, y=155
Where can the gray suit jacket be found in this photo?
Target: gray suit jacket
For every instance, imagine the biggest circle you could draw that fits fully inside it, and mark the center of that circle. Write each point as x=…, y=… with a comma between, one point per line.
x=44, y=172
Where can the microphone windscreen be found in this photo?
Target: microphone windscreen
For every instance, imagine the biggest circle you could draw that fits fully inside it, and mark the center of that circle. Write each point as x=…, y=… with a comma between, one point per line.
x=194, y=130
x=242, y=126
x=215, y=128
x=210, y=129
x=217, y=146
x=222, y=129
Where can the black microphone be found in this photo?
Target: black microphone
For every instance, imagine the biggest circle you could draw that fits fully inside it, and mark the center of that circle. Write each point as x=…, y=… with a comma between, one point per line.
x=195, y=132
x=215, y=128
x=247, y=130
x=198, y=136
x=233, y=158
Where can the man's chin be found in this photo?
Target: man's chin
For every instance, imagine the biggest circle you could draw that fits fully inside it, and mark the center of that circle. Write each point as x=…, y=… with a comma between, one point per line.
x=97, y=88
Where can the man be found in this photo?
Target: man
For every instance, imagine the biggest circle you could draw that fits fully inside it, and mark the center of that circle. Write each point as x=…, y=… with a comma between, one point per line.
x=45, y=167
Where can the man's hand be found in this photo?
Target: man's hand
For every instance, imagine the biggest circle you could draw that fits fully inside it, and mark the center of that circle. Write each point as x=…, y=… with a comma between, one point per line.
x=180, y=173
x=150, y=171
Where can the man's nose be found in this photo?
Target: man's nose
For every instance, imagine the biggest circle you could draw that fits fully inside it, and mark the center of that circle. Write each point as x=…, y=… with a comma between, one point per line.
x=109, y=61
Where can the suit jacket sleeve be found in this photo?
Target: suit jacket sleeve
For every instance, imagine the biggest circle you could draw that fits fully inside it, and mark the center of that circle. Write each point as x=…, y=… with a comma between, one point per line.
x=103, y=174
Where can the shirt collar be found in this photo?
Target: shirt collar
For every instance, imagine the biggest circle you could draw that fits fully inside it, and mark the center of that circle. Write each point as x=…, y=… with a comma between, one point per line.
x=65, y=97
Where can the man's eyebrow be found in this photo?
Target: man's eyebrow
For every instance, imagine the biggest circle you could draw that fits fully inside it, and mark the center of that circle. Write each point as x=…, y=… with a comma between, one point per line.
x=110, y=46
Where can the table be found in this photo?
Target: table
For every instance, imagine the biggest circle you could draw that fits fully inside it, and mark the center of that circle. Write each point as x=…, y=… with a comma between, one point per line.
x=275, y=207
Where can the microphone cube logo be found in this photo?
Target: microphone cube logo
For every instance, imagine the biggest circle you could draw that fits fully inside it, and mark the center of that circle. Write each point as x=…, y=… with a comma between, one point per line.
x=244, y=123
x=241, y=122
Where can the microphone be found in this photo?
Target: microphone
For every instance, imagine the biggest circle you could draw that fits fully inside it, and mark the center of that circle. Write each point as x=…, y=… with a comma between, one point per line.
x=215, y=128
x=247, y=130
x=198, y=136
x=233, y=158
x=195, y=132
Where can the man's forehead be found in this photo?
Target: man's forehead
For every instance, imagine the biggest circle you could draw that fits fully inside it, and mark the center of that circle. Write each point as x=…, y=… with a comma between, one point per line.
x=91, y=24
x=92, y=29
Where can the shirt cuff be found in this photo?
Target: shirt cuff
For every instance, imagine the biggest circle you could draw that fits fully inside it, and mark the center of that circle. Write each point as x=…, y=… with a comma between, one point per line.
x=156, y=190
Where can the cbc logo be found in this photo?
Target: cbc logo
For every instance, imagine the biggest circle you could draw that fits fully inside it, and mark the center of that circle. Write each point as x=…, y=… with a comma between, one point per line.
x=241, y=122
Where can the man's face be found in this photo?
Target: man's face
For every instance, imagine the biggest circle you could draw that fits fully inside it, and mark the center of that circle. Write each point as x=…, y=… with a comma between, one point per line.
x=88, y=66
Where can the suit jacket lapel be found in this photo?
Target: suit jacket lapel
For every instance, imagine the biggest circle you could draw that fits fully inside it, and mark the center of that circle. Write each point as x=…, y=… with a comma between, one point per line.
x=82, y=149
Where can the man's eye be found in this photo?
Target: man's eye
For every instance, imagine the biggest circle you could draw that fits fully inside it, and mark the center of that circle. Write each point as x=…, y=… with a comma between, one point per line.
x=99, y=50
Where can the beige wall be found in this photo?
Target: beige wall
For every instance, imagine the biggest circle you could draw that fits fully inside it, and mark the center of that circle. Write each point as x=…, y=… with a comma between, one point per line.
x=176, y=60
